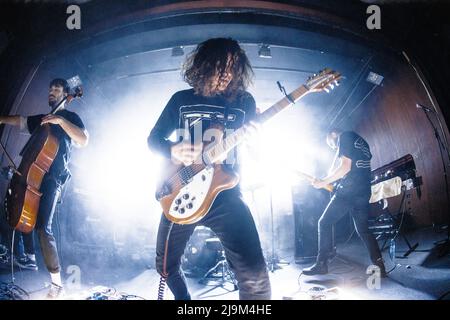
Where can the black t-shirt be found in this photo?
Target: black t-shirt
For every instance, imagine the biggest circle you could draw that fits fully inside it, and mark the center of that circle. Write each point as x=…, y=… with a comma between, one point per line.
x=59, y=169
x=186, y=109
x=354, y=147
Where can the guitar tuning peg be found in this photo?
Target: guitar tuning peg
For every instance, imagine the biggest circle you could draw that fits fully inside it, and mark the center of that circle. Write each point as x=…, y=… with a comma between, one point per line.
x=331, y=86
x=336, y=83
x=326, y=90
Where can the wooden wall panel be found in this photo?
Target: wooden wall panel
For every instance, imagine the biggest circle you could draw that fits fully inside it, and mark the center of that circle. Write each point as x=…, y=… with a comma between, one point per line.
x=394, y=127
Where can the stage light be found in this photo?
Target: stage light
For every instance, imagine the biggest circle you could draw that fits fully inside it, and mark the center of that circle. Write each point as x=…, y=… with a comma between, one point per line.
x=177, y=51
x=374, y=78
x=264, y=51
x=74, y=82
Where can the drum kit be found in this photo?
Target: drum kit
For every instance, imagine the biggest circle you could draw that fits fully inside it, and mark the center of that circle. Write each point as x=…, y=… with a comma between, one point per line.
x=204, y=258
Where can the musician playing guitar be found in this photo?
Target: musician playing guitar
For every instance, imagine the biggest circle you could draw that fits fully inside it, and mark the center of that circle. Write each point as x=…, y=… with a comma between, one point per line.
x=69, y=130
x=352, y=168
x=218, y=72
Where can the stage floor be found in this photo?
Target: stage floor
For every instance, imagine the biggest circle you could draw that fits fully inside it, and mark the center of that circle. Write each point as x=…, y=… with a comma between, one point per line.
x=423, y=275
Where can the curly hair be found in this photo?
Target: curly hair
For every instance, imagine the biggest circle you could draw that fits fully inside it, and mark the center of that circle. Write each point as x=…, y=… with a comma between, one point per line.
x=217, y=57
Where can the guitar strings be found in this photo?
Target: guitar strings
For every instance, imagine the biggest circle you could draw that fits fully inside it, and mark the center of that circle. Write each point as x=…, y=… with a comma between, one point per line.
x=184, y=174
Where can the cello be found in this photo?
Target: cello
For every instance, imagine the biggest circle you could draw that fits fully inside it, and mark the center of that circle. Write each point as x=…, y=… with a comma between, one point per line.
x=23, y=193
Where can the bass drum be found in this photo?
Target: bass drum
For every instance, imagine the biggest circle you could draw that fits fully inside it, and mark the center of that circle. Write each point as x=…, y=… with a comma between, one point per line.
x=202, y=252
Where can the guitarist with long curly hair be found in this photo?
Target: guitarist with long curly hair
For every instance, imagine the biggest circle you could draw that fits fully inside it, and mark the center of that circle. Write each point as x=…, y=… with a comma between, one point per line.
x=219, y=72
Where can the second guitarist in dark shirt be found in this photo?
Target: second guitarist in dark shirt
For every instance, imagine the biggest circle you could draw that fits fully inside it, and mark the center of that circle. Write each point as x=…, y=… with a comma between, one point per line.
x=352, y=195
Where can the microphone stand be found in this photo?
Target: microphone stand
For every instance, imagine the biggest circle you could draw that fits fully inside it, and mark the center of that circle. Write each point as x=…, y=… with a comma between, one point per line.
x=445, y=244
x=274, y=262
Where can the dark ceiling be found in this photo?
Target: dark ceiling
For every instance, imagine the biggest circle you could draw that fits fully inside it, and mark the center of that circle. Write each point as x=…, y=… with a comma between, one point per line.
x=118, y=38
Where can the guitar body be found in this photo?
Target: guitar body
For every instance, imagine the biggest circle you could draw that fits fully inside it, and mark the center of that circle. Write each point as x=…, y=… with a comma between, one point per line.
x=188, y=201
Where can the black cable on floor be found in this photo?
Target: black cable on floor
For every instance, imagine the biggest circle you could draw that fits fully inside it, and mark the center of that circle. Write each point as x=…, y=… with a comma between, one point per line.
x=395, y=266
x=10, y=291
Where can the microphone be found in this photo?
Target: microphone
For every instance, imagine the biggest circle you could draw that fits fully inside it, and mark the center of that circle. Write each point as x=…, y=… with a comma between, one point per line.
x=419, y=106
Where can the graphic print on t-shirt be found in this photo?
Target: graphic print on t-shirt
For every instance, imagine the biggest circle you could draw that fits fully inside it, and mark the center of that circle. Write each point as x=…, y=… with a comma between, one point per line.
x=203, y=122
x=362, y=145
x=191, y=115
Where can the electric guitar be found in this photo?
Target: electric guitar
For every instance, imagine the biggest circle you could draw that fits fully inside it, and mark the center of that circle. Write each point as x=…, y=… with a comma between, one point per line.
x=186, y=193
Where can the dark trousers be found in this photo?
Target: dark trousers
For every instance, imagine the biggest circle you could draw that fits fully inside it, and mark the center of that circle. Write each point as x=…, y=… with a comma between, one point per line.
x=51, y=192
x=338, y=206
x=231, y=220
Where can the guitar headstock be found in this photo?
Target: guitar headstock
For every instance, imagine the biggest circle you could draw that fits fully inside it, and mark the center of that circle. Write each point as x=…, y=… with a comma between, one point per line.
x=325, y=80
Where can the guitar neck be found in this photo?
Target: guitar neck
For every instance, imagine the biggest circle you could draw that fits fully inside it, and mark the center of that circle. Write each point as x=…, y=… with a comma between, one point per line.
x=235, y=138
x=295, y=95
x=328, y=187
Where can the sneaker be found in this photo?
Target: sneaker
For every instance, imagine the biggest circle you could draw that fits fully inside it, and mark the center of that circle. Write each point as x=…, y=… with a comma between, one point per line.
x=55, y=292
x=25, y=262
x=320, y=267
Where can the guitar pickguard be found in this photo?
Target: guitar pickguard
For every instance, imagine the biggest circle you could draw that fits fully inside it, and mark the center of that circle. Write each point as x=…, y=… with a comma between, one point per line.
x=190, y=197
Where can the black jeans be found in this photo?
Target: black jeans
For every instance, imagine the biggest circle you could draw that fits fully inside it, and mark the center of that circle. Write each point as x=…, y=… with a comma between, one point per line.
x=231, y=220
x=51, y=192
x=338, y=206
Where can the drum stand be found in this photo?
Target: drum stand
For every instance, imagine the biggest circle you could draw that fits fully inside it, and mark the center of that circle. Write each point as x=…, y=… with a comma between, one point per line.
x=220, y=274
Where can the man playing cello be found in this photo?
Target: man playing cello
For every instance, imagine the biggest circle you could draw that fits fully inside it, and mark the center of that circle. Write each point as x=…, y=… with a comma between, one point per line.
x=69, y=130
